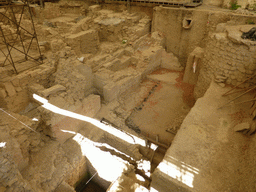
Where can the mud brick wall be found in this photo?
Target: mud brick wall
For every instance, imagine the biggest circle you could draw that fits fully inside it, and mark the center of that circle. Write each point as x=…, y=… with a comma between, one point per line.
x=235, y=62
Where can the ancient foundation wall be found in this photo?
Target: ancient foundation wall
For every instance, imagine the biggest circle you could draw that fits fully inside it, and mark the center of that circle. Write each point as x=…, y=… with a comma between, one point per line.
x=229, y=58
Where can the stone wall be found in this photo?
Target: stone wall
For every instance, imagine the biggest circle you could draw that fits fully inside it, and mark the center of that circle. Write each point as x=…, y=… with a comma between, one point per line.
x=228, y=57
x=226, y=3
x=181, y=39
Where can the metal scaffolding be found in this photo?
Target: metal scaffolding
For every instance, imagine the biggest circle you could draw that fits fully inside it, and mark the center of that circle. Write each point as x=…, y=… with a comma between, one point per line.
x=14, y=36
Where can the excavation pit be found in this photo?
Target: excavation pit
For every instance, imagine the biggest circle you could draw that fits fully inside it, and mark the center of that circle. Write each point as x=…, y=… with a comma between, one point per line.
x=128, y=97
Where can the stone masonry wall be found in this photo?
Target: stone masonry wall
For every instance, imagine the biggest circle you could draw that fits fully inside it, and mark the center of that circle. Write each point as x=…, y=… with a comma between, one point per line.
x=234, y=62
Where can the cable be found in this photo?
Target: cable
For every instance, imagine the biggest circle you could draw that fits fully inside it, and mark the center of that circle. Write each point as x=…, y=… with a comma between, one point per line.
x=18, y=120
x=91, y=178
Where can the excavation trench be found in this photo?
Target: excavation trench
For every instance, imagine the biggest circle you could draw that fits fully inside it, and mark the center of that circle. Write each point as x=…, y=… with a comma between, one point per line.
x=114, y=88
x=170, y=94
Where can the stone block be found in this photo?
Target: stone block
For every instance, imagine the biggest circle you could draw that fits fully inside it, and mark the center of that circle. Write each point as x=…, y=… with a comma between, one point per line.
x=153, y=58
x=101, y=79
x=84, y=42
x=143, y=27
x=16, y=82
x=81, y=25
x=111, y=29
x=128, y=51
x=86, y=72
x=64, y=187
x=119, y=53
x=57, y=45
x=242, y=126
x=35, y=88
x=125, y=62
x=113, y=90
x=18, y=89
x=44, y=74
x=221, y=27
x=3, y=93
x=94, y=8
x=113, y=65
x=34, y=73
x=169, y=61
x=118, y=64
x=3, y=72
x=24, y=79
x=10, y=89
x=53, y=90
x=65, y=127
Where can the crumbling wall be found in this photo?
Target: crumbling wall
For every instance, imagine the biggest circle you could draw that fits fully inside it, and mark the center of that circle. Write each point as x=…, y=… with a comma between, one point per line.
x=18, y=142
x=14, y=90
x=227, y=3
x=228, y=58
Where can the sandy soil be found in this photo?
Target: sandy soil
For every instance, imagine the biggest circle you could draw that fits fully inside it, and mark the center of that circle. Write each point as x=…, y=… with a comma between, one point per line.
x=164, y=104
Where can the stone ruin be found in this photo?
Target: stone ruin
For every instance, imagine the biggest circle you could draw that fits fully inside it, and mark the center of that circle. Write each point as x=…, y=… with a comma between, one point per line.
x=167, y=94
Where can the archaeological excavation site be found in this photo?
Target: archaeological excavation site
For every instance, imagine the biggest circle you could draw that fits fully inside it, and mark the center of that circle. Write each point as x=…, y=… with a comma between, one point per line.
x=127, y=95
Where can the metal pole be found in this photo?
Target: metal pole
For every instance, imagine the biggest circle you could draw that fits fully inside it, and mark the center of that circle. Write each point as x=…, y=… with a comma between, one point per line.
x=34, y=35
x=238, y=97
x=239, y=85
x=18, y=26
x=9, y=52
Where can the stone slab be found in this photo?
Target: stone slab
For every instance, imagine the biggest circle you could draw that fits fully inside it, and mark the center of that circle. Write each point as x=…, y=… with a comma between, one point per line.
x=53, y=90
x=10, y=89
x=84, y=42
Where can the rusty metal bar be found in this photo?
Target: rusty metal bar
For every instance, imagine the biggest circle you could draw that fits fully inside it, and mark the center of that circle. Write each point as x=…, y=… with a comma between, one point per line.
x=17, y=26
x=240, y=90
x=17, y=38
x=5, y=57
x=26, y=54
x=35, y=36
x=8, y=51
x=238, y=85
x=238, y=97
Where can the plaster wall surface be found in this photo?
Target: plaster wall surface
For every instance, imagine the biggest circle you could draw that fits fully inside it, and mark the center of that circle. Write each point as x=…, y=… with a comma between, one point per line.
x=206, y=154
x=179, y=40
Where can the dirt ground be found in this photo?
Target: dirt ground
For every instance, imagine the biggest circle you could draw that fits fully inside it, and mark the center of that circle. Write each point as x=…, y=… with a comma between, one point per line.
x=163, y=109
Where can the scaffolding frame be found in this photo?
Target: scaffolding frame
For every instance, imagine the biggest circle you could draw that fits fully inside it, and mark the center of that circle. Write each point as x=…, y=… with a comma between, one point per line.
x=8, y=9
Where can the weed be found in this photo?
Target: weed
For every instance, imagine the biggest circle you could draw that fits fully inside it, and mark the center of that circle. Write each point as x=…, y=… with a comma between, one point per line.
x=234, y=5
x=250, y=22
